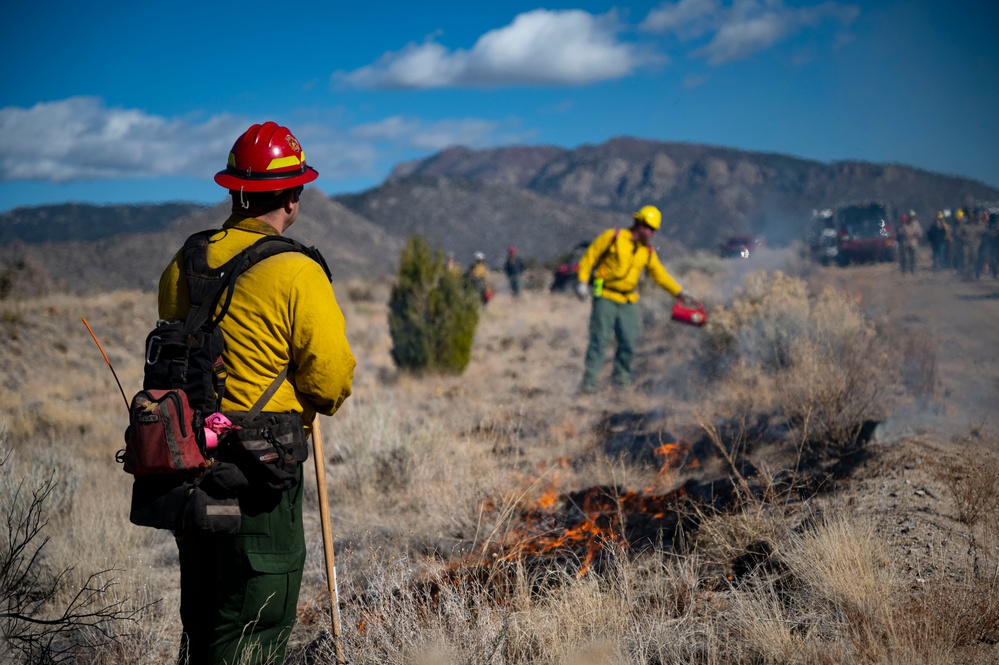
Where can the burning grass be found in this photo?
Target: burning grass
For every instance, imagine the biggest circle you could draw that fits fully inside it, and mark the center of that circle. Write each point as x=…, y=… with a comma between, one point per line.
x=501, y=519
x=830, y=593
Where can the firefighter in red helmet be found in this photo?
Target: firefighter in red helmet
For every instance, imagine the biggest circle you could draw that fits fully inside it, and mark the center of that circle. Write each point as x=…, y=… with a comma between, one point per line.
x=266, y=158
x=239, y=593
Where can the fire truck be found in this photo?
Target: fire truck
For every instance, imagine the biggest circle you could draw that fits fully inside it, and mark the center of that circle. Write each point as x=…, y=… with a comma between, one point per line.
x=855, y=233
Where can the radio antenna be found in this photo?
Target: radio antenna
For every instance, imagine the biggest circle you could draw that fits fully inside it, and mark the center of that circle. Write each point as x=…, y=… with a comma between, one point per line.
x=113, y=373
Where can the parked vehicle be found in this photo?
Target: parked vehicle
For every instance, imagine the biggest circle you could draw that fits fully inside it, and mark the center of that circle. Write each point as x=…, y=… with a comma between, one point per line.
x=568, y=268
x=823, y=238
x=740, y=246
x=857, y=233
x=865, y=233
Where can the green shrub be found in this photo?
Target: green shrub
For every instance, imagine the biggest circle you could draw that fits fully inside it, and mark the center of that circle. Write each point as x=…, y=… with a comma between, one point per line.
x=432, y=313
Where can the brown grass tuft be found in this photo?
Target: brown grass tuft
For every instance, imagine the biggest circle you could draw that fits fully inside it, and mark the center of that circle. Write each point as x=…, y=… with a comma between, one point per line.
x=974, y=484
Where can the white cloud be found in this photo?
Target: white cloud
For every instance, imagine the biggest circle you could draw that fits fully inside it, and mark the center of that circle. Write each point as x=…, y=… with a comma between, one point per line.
x=335, y=155
x=686, y=18
x=81, y=138
x=437, y=135
x=539, y=47
x=738, y=39
x=742, y=28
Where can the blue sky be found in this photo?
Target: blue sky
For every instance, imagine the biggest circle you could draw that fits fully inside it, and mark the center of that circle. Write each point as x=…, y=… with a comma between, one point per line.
x=129, y=102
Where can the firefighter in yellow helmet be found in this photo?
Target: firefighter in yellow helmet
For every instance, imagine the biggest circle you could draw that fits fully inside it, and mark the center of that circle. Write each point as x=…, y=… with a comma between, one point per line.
x=962, y=234
x=613, y=263
x=938, y=236
x=239, y=593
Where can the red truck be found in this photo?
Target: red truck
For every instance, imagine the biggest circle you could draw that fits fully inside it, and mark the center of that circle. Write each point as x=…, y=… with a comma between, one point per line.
x=853, y=234
x=865, y=233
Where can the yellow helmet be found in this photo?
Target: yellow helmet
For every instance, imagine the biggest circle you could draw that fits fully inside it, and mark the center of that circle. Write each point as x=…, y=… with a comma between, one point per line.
x=960, y=213
x=940, y=214
x=650, y=216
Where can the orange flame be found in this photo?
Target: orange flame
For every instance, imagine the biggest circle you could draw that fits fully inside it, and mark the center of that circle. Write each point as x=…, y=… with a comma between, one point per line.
x=587, y=526
x=548, y=499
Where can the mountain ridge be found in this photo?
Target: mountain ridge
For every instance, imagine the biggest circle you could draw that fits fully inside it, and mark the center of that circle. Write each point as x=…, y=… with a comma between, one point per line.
x=64, y=222
x=705, y=192
x=542, y=199
x=135, y=260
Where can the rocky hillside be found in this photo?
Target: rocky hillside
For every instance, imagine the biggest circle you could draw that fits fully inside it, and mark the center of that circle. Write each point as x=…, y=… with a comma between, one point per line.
x=706, y=192
x=352, y=247
x=465, y=216
x=81, y=221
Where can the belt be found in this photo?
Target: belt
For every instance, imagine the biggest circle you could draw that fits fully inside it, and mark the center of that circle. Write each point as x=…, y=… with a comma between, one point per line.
x=626, y=295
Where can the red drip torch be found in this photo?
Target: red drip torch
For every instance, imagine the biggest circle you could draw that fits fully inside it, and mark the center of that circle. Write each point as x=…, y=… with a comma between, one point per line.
x=690, y=312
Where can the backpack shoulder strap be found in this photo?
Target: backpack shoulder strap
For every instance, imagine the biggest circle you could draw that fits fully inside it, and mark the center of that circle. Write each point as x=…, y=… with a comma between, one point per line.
x=206, y=284
x=600, y=259
x=270, y=245
x=262, y=401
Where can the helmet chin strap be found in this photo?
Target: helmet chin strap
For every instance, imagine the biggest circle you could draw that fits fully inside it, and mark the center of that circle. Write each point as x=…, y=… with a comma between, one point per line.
x=242, y=201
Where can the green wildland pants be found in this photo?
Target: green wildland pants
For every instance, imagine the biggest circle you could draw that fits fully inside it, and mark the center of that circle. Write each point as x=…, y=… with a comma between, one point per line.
x=239, y=594
x=609, y=317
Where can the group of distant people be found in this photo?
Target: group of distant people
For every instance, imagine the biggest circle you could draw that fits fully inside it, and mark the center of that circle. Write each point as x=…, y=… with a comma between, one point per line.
x=477, y=273
x=966, y=242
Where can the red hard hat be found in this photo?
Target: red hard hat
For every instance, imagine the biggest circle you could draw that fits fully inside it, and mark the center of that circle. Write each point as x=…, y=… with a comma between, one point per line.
x=266, y=158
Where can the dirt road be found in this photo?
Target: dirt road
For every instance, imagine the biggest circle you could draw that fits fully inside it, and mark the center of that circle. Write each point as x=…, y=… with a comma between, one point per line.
x=957, y=320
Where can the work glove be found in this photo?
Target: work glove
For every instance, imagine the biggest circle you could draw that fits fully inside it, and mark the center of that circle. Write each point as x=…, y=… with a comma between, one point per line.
x=686, y=298
x=582, y=290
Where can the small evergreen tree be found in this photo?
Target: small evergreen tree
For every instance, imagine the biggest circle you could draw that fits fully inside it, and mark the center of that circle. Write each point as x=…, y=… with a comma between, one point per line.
x=433, y=313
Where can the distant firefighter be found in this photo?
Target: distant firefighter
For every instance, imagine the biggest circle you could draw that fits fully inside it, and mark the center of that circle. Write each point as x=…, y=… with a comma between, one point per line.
x=453, y=266
x=616, y=259
x=908, y=235
x=514, y=268
x=939, y=238
x=957, y=244
x=478, y=275
x=969, y=237
x=989, y=253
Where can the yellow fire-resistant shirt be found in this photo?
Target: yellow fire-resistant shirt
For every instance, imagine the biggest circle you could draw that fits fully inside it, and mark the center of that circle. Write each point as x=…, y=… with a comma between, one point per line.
x=283, y=312
x=622, y=265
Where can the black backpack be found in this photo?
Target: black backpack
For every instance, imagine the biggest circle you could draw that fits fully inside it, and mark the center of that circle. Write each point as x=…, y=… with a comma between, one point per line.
x=179, y=483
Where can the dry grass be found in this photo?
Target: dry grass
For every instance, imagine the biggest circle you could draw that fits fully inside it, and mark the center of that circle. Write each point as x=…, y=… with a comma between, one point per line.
x=815, y=361
x=973, y=481
x=426, y=475
x=847, y=564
